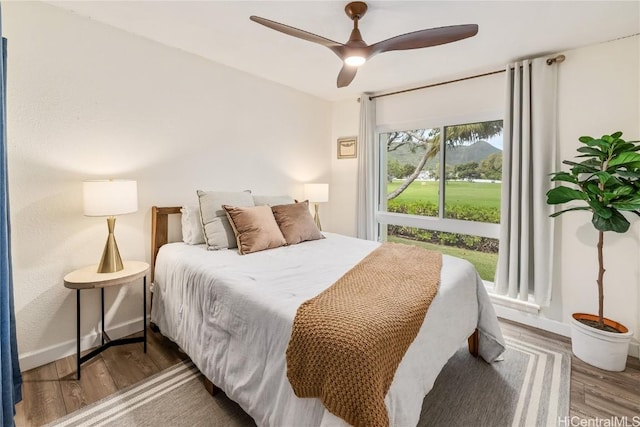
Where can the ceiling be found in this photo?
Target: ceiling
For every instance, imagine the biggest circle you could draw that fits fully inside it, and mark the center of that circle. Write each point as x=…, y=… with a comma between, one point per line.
x=222, y=32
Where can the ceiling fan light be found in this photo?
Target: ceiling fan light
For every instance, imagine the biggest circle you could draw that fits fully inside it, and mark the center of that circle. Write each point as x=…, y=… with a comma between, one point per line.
x=355, y=61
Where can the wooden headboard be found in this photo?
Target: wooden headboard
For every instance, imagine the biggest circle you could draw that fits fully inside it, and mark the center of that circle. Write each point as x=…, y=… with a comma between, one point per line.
x=160, y=230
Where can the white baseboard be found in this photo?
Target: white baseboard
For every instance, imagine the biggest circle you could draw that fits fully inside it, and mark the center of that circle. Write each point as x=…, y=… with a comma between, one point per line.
x=522, y=306
x=634, y=349
x=33, y=359
x=554, y=326
x=533, y=320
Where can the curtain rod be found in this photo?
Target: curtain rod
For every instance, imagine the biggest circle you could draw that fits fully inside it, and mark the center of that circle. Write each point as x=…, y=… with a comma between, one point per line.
x=437, y=84
x=550, y=61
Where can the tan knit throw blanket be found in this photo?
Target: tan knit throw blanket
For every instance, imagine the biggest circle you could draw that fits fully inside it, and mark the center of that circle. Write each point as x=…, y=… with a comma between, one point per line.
x=347, y=342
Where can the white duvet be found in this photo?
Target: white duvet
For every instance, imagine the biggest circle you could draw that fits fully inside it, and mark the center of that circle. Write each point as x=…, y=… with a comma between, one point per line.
x=233, y=314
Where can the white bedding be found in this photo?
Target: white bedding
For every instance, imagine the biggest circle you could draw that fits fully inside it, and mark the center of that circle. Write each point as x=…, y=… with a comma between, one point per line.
x=233, y=314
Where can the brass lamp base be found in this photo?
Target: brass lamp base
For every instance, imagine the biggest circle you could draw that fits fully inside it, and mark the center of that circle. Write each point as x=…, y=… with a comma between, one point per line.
x=316, y=217
x=111, y=261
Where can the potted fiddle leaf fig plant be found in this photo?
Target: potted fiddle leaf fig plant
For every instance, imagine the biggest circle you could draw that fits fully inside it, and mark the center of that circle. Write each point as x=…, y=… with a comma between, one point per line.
x=606, y=182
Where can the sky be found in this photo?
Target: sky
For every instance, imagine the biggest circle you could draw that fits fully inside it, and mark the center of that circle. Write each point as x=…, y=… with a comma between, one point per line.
x=496, y=141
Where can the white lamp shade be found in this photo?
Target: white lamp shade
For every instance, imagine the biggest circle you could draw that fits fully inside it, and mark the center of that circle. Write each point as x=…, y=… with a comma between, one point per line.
x=316, y=193
x=110, y=197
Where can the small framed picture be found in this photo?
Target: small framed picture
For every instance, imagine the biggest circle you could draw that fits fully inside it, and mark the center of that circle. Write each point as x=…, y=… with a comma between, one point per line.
x=347, y=147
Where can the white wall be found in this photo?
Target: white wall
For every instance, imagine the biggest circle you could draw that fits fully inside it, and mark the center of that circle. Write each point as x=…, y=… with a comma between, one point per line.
x=344, y=177
x=598, y=94
x=88, y=101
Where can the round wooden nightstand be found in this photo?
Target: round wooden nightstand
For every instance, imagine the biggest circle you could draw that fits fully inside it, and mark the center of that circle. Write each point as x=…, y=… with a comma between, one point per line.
x=89, y=278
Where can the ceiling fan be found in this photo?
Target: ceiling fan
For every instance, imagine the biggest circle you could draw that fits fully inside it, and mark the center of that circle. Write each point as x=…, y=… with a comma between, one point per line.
x=356, y=52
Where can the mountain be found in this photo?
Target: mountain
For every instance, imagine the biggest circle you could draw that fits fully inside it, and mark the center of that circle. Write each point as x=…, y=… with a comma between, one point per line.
x=476, y=152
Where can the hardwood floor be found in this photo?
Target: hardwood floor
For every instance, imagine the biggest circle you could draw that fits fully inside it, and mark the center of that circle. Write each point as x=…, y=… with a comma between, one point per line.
x=51, y=391
x=594, y=393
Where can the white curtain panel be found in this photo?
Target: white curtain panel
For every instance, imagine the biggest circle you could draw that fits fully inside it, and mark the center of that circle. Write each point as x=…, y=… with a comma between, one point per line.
x=525, y=261
x=367, y=182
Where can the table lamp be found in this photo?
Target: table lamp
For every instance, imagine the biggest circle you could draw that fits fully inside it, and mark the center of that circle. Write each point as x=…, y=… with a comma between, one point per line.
x=316, y=193
x=109, y=198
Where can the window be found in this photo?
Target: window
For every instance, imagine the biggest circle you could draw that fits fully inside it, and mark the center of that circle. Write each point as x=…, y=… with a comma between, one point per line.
x=440, y=188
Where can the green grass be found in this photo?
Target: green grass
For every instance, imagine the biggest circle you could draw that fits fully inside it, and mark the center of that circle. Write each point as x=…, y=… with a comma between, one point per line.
x=481, y=194
x=485, y=263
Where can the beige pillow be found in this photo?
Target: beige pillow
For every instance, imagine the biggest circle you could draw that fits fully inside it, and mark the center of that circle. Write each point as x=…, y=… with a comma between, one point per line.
x=217, y=230
x=192, y=232
x=272, y=200
x=255, y=228
x=296, y=223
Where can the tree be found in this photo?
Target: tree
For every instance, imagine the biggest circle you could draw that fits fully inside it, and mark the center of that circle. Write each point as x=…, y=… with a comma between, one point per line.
x=467, y=171
x=393, y=169
x=491, y=167
x=399, y=170
x=434, y=173
x=429, y=141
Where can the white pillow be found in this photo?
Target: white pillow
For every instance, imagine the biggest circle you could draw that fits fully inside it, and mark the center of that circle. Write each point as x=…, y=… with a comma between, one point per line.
x=217, y=230
x=192, y=232
x=272, y=200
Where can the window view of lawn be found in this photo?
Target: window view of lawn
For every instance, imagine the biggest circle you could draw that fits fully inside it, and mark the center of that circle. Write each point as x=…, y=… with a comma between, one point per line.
x=471, y=170
x=472, y=201
x=458, y=193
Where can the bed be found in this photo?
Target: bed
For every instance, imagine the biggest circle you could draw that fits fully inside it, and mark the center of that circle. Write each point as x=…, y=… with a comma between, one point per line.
x=233, y=316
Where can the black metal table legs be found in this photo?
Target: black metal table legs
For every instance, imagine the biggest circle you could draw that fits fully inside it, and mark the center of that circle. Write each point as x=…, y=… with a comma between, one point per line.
x=78, y=330
x=105, y=340
x=144, y=312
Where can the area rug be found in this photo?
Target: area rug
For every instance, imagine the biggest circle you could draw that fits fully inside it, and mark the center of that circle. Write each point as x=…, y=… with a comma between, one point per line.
x=528, y=387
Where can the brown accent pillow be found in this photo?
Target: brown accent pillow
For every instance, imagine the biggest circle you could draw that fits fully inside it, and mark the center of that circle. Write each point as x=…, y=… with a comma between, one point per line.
x=296, y=223
x=255, y=228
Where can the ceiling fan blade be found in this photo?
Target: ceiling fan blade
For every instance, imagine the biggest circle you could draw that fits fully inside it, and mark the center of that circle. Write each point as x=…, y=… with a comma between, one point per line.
x=425, y=38
x=346, y=75
x=336, y=47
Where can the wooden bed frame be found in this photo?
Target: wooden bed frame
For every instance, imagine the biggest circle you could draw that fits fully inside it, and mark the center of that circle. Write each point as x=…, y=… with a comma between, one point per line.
x=160, y=230
x=160, y=236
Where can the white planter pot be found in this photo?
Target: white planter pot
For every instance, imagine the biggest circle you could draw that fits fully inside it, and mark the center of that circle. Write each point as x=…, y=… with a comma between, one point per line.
x=602, y=349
